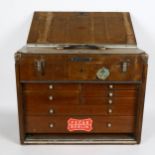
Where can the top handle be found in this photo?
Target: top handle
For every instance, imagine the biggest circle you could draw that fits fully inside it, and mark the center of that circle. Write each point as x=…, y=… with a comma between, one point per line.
x=79, y=47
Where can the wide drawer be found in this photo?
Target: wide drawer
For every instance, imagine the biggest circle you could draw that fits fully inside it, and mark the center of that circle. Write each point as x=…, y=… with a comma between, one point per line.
x=74, y=97
x=76, y=86
x=77, y=124
x=80, y=67
x=52, y=110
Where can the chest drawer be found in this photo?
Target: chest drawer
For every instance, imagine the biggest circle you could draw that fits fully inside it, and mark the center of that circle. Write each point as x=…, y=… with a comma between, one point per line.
x=50, y=87
x=80, y=67
x=100, y=124
x=56, y=97
x=54, y=110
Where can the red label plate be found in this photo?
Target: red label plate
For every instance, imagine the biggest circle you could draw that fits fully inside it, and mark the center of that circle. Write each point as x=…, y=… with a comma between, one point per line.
x=79, y=124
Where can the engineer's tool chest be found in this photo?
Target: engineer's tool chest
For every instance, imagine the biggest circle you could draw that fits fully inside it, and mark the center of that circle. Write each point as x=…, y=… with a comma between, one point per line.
x=81, y=80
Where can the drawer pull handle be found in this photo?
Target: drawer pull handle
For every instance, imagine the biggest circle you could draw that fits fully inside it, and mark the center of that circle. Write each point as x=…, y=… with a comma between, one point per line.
x=110, y=101
x=50, y=98
x=51, y=125
x=50, y=86
x=51, y=111
x=111, y=86
x=109, y=111
x=110, y=94
x=109, y=125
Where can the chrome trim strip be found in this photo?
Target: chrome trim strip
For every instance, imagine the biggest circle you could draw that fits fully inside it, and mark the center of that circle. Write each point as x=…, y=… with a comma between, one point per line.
x=101, y=46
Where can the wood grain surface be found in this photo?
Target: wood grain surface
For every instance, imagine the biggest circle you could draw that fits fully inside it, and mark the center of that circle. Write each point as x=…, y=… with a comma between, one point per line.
x=81, y=27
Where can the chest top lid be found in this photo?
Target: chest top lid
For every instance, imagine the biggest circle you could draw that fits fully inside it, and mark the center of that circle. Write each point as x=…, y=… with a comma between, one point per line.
x=90, y=28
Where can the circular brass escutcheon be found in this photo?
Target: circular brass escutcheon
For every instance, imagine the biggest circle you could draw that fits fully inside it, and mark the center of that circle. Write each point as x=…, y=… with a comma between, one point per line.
x=103, y=73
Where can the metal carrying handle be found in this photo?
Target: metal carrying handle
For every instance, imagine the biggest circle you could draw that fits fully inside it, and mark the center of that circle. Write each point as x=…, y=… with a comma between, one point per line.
x=79, y=47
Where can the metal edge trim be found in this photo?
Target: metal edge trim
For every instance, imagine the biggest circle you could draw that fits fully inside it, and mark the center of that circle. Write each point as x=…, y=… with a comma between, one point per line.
x=104, y=82
x=132, y=141
x=104, y=46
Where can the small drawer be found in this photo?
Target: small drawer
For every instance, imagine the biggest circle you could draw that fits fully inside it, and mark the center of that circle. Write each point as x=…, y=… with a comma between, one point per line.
x=109, y=93
x=121, y=110
x=50, y=98
x=111, y=86
x=96, y=124
x=119, y=101
x=50, y=87
x=123, y=93
x=116, y=101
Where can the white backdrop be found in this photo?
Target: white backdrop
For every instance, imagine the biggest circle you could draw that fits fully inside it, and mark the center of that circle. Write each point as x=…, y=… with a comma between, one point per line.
x=15, y=20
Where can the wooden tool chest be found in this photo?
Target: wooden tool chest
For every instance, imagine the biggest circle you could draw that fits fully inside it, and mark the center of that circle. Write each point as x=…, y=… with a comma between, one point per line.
x=81, y=80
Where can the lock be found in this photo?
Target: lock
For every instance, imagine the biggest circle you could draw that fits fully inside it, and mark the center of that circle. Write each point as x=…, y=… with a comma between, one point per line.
x=39, y=65
x=125, y=66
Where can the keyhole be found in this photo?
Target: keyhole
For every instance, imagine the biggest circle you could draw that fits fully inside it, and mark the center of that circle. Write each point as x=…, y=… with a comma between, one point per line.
x=81, y=70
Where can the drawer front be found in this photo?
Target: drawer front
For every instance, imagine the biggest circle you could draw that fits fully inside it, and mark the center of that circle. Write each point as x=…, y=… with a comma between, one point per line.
x=74, y=97
x=52, y=110
x=115, y=101
x=99, y=86
x=80, y=67
x=50, y=98
x=110, y=93
x=100, y=124
x=50, y=87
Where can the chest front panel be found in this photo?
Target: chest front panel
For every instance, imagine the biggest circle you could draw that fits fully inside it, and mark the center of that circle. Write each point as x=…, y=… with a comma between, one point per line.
x=60, y=88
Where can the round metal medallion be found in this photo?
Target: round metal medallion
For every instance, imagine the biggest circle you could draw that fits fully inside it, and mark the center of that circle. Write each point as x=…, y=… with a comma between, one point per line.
x=103, y=73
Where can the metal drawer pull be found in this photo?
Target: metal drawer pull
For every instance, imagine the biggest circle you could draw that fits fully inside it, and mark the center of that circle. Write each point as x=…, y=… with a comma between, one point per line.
x=51, y=125
x=50, y=98
x=110, y=101
x=50, y=86
x=51, y=111
x=111, y=86
x=110, y=94
x=109, y=125
x=109, y=111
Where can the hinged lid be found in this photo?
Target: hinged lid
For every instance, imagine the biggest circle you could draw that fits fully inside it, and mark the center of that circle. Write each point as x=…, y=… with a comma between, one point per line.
x=74, y=28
